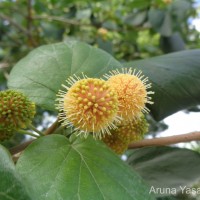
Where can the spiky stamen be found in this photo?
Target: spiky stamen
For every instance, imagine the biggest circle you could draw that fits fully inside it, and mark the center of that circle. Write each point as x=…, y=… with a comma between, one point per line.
x=131, y=87
x=89, y=105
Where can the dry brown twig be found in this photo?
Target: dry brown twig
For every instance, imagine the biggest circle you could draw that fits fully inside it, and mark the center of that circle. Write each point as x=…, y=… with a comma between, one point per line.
x=163, y=141
x=188, y=137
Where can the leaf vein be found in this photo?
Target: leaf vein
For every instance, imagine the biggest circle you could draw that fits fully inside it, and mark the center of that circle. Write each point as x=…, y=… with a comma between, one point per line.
x=90, y=173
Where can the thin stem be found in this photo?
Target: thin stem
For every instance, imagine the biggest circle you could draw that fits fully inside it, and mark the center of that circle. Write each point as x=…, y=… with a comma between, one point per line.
x=59, y=19
x=22, y=146
x=27, y=133
x=52, y=128
x=29, y=23
x=193, y=136
x=36, y=130
x=4, y=65
x=12, y=22
x=19, y=27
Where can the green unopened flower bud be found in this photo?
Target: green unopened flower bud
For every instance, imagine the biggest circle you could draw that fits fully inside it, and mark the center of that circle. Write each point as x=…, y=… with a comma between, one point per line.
x=115, y=142
x=5, y=135
x=126, y=132
x=16, y=111
x=130, y=131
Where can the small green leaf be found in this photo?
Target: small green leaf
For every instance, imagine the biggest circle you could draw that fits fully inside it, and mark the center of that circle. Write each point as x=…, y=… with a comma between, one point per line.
x=179, y=8
x=11, y=187
x=175, y=78
x=156, y=17
x=172, y=43
x=166, y=167
x=42, y=72
x=136, y=19
x=161, y=21
x=166, y=27
x=55, y=169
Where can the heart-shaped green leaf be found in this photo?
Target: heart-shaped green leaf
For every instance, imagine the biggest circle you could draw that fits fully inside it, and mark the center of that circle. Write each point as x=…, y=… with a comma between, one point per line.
x=42, y=72
x=176, y=81
x=55, y=169
x=166, y=167
x=11, y=187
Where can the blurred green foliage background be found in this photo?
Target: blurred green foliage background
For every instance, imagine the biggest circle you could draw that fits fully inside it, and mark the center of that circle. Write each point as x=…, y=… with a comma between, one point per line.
x=128, y=29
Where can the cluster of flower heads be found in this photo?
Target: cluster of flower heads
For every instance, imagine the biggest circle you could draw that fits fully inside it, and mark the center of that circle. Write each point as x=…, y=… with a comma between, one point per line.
x=110, y=109
x=16, y=112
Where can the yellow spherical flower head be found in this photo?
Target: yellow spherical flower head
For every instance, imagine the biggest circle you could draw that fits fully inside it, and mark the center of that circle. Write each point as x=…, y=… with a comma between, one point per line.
x=115, y=142
x=89, y=105
x=130, y=131
x=131, y=88
x=16, y=111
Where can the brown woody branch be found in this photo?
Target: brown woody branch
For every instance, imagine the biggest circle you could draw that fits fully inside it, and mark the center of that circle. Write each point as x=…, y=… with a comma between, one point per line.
x=20, y=147
x=193, y=136
x=52, y=128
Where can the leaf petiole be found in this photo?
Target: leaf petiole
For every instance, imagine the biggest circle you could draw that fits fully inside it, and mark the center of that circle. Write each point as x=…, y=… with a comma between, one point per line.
x=36, y=130
x=24, y=132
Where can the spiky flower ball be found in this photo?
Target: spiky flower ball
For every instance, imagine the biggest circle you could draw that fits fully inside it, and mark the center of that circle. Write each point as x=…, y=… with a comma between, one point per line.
x=115, y=143
x=125, y=133
x=131, y=131
x=89, y=105
x=16, y=111
x=132, y=92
